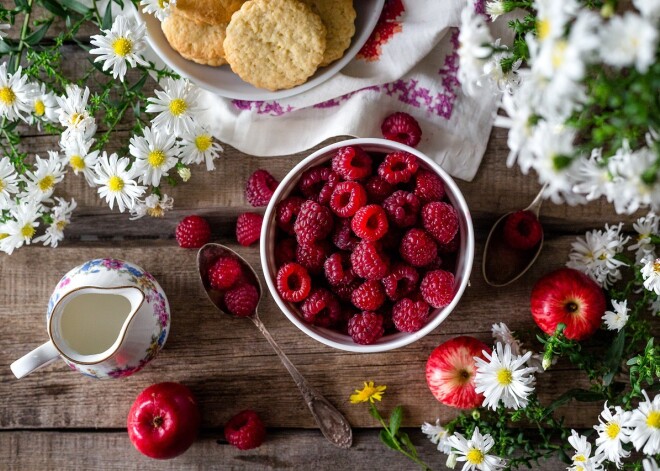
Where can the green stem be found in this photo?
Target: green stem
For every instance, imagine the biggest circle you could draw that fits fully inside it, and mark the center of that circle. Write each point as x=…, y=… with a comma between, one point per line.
x=18, y=55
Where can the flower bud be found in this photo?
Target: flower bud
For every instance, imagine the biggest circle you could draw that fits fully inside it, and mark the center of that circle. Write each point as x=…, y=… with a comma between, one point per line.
x=451, y=460
x=476, y=415
x=184, y=173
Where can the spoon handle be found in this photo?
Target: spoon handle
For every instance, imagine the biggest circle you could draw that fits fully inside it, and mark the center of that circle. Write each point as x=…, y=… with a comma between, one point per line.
x=535, y=206
x=332, y=423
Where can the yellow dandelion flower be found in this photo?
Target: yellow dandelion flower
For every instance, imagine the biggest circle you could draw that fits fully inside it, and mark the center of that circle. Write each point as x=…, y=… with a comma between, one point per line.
x=368, y=393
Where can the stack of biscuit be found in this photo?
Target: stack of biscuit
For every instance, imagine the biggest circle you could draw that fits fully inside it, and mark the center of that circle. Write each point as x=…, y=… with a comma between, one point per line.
x=271, y=44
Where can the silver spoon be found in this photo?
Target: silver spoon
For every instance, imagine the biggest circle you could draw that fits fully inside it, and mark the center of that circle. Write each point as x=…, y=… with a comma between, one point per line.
x=332, y=423
x=502, y=265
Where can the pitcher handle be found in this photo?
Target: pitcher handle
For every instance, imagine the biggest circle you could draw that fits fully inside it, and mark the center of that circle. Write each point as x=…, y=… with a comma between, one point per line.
x=37, y=358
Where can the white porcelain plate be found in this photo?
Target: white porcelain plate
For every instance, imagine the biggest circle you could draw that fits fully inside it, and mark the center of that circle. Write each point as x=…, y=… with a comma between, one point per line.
x=224, y=82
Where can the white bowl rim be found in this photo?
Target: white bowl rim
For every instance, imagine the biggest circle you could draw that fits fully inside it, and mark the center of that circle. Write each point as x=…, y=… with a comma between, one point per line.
x=405, y=339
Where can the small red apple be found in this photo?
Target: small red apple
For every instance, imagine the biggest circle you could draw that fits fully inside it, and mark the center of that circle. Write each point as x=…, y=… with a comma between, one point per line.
x=570, y=297
x=450, y=372
x=164, y=420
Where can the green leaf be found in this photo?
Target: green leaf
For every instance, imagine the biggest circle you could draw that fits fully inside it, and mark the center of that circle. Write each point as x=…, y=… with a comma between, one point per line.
x=107, y=17
x=374, y=412
x=54, y=7
x=137, y=86
x=388, y=440
x=37, y=35
x=581, y=395
x=395, y=420
x=613, y=357
x=76, y=6
x=7, y=46
x=406, y=441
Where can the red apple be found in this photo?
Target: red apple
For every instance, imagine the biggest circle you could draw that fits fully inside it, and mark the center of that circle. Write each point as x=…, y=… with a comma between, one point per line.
x=450, y=372
x=570, y=297
x=164, y=420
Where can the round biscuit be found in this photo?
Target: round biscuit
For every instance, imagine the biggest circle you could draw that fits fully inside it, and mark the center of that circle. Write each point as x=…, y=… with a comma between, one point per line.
x=338, y=16
x=212, y=12
x=201, y=43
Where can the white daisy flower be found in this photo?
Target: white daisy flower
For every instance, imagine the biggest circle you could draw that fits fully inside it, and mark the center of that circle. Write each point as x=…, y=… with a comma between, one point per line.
x=80, y=159
x=648, y=8
x=645, y=424
x=651, y=274
x=493, y=72
x=8, y=182
x=47, y=173
x=503, y=376
x=177, y=105
x=116, y=182
x=650, y=465
x=517, y=119
x=502, y=334
x=61, y=215
x=593, y=179
x=198, y=146
x=474, y=39
x=74, y=116
x=184, y=173
x=153, y=205
x=161, y=9
x=122, y=43
x=44, y=105
x=627, y=40
x=15, y=94
x=495, y=9
x=21, y=229
x=630, y=190
x=645, y=226
x=438, y=436
x=617, y=319
x=613, y=433
x=155, y=153
x=553, y=16
x=582, y=459
x=3, y=28
x=475, y=452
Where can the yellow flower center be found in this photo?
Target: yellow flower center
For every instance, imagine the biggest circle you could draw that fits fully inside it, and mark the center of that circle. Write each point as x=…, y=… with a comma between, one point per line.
x=4, y=235
x=76, y=118
x=28, y=231
x=156, y=212
x=77, y=162
x=653, y=419
x=203, y=142
x=122, y=46
x=543, y=28
x=656, y=265
x=162, y=3
x=115, y=183
x=156, y=158
x=7, y=96
x=558, y=54
x=580, y=458
x=46, y=183
x=60, y=225
x=612, y=430
x=39, y=108
x=2, y=185
x=474, y=456
x=504, y=376
x=178, y=106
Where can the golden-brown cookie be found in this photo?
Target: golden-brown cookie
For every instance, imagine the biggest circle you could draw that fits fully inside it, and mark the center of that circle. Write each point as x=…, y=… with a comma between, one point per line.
x=338, y=16
x=212, y=12
x=201, y=43
x=275, y=44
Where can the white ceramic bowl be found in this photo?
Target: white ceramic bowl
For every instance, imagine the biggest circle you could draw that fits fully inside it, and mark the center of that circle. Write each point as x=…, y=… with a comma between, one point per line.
x=222, y=81
x=336, y=339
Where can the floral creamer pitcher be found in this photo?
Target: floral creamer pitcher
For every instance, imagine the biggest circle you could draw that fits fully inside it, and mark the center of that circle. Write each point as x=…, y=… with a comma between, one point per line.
x=106, y=318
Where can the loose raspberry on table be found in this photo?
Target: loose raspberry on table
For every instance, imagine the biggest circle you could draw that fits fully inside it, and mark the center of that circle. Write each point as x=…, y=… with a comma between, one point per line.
x=245, y=430
x=314, y=222
x=370, y=222
x=286, y=213
x=352, y=163
x=440, y=220
x=366, y=327
x=317, y=183
x=224, y=273
x=343, y=236
x=437, y=288
x=369, y=261
x=402, y=208
x=347, y=198
x=260, y=188
x=192, y=232
x=369, y=296
x=248, y=228
x=398, y=167
x=321, y=308
x=409, y=315
x=378, y=189
x=293, y=282
x=522, y=230
x=285, y=251
x=338, y=269
x=402, y=280
x=418, y=248
x=242, y=300
x=403, y=128
x=428, y=186
x=312, y=255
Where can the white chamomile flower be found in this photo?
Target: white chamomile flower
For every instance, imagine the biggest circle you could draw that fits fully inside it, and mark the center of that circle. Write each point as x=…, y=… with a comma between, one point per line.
x=21, y=229
x=116, y=183
x=645, y=424
x=8, y=182
x=646, y=227
x=651, y=274
x=631, y=189
x=650, y=465
x=161, y=9
x=44, y=105
x=593, y=179
x=552, y=17
x=177, y=106
x=153, y=205
x=629, y=40
x=474, y=452
x=518, y=119
x=495, y=9
x=438, y=435
x=3, y=28
x=617, y=319
x=80, y=159
x=121, y=44
x=155, y=154
x=582, y=459
x=15, y=94
x=502, y=334
x=74, y=116
x=648, y=8
x=474, y=39
x=47, y=173
x=613, y=433
x=198, y=146
x=61, y=214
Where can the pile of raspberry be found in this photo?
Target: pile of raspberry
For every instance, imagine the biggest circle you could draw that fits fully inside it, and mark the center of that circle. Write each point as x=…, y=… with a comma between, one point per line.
x=366, y=244
x=239, y=293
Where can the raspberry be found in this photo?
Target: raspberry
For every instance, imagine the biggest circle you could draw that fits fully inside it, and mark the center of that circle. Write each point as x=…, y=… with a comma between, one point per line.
x=366, y=327
x=347, y=198
x=317, y=183
x=370, y=222
x=378, y=189
x=437, y=288
x=344, y=292
x=193, y=232
x=418, y=248
x=312, y=256
x=338, y=270
x=314, y=222
x=224, y=273
x=293, y=282
x=285, y=251
x=352, y=163
x=402, y=208
x=522, y=230
x=440, y=220
x=286, y=213
x=343, y=236
x=398, y=167
x=245, y=430
x=403, y=128
x=248, y=228
x=451, y=246
x=260, y=188
x=409, y=315
x=321, y=308
x=401, y=281
x=369, y=296
x=429, y=186
x=242, y=300
x=369, y=261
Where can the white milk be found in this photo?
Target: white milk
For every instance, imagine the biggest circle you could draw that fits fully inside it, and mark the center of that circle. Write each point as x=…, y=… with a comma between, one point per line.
x=90, y=323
